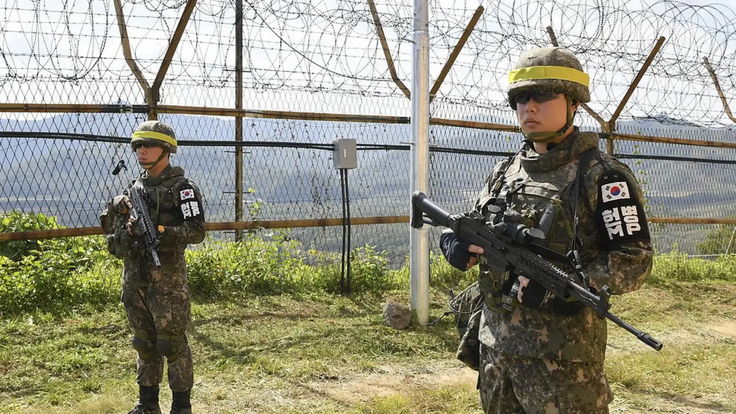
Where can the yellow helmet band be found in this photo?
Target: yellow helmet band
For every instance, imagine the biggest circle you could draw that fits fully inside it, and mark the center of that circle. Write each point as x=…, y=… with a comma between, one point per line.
x=153, y=135
x=549, y=72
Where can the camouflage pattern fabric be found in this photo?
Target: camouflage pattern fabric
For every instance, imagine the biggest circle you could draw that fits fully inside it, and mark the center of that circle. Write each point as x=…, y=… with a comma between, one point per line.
x=510, y=384
x=549, y=56
x=157, y=301
x=544, y=334
x=467, y=306
x=160, y=127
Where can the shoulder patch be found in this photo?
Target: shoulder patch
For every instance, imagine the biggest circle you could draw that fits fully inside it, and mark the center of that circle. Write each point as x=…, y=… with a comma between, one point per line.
x=190, y=203
x=186, y=194
x=617, y=190
x=620, y=214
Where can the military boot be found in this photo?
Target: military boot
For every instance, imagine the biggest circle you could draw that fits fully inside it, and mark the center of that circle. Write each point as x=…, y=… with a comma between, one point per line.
x=147, y=401
x=180, y=403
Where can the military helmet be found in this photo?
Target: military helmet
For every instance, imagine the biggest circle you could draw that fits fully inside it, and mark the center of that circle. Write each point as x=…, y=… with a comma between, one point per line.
x=551, y=68
x=154, y=133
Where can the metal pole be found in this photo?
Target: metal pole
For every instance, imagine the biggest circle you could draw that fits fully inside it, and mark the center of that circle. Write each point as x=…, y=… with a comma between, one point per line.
x=604, y=124
x=127, y=50
x=386, y=52
x=455, y=52
x=419, y=238
x=635, y=83
x=718, y=88
x=292, y=224
x=239, y=117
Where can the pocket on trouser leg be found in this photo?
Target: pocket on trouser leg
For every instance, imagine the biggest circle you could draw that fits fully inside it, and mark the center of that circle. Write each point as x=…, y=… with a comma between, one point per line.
x=468, y=350
x=587, y=391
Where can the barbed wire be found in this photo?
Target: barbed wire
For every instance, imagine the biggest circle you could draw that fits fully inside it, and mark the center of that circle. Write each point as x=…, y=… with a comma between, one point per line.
x=70, y=51
x=326, y=56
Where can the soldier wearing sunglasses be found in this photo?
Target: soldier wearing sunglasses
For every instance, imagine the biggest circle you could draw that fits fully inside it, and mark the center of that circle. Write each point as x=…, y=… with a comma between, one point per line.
x=155, y=296
x=540, y=353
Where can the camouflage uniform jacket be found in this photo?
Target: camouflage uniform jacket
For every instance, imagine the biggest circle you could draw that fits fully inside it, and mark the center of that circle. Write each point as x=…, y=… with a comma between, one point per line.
x=543, y=332
x=174, y=202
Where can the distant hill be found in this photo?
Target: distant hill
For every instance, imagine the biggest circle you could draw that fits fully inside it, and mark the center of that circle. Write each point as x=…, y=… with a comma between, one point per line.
x=71, y=179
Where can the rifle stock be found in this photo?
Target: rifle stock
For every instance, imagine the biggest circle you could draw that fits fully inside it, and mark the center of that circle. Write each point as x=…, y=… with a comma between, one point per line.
x=511, y=251
x=139, y=213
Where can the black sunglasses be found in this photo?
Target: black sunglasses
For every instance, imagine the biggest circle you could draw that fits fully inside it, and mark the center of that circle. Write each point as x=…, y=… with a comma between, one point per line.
x=538, y=95
x=146, y=144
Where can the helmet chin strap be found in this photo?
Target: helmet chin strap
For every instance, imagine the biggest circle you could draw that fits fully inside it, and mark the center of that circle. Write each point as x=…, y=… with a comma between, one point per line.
x=542, y=137
x=149, y=165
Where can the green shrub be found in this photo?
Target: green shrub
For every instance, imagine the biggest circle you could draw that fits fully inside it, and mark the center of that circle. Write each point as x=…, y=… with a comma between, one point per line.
x=258, y=267
x=369, y=272
x=443, y=276
x=16, y=221
x=57, y=280
x=252, y=266
x=44, y=274
x=719, y=240
x=64, y=253
x=67, y=273
x=677, y=267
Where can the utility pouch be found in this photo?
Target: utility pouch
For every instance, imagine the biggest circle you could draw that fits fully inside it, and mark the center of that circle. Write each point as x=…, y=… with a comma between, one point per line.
x=123, y=245
x=467, y=306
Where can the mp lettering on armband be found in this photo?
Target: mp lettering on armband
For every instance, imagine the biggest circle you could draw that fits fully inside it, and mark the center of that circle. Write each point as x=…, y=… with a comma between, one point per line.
x=620, y=215
x=191, y=209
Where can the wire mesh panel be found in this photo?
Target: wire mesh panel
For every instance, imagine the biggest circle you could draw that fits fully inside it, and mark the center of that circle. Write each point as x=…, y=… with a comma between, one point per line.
x=77, y=77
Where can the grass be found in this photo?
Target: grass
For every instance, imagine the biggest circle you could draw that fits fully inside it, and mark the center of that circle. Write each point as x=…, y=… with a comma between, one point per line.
x=331, y=354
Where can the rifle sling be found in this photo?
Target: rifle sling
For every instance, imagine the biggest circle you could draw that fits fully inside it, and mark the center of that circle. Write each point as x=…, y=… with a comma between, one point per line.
x=583, y=165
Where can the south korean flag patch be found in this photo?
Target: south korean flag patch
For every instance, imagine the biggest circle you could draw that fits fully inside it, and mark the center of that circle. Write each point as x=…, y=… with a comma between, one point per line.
x=186, y=194
x=620, y=215
x=190, y=206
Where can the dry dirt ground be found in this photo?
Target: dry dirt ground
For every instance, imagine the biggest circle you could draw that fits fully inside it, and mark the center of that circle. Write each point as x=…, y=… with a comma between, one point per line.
x=388, y=381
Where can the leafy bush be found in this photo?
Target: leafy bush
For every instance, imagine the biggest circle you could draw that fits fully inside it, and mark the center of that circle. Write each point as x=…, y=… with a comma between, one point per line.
x=48, y=273
x=63, y=274
x=369, y=272
x=252, y=266
x=677, y=267
x=718, y=241
x=64, y=253
x=16, y=221
x=443, y=276
x=57, y=280
x=259, y=267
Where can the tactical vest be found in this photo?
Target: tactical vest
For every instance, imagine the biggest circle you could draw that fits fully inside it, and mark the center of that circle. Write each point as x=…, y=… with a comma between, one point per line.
x=541, y=201
x=163, y=199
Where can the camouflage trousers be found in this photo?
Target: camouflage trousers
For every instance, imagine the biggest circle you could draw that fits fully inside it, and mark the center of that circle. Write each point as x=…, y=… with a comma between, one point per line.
x=514, y=384
x=154, y=312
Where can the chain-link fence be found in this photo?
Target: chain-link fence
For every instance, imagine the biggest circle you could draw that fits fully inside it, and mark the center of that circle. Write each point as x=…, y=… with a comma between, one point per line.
x=77, y=77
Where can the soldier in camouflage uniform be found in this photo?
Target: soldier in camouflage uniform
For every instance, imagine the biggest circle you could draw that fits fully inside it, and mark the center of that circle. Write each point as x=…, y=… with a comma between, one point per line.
x=156, y=301
x=540, y=354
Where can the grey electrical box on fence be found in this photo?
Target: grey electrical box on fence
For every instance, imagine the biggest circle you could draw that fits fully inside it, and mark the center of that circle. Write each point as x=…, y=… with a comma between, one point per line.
x=345, y=154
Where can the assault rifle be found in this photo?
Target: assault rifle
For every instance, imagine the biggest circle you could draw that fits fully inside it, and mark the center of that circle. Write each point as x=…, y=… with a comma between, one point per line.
x=139, y=214
x=509, y=244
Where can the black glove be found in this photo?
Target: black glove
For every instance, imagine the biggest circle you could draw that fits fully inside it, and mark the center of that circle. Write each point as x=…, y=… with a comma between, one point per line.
x=534, y=294
x=455, y=251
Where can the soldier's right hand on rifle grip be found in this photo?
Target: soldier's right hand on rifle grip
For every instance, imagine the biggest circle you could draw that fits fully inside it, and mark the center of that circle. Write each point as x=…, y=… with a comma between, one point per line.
x=133, y=228
x=460, y=254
